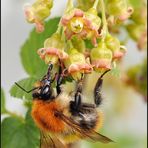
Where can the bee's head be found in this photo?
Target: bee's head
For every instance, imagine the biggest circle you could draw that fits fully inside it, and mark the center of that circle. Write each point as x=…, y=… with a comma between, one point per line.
x=44, y=89
x=44, y=92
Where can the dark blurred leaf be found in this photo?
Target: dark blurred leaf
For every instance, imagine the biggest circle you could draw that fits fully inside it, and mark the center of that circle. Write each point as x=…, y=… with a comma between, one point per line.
x=3, y=109
x=17, y=133
x=27, y=84
x=33, y=65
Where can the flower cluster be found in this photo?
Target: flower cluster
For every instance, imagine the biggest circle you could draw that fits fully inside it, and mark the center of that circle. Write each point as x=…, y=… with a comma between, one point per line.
x=53, y=50
x=83, y=24
x=137, y=28
x=68, y=45
x=38, y=12
x=119, y=9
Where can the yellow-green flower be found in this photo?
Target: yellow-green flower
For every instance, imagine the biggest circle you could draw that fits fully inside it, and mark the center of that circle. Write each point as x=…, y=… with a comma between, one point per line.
x=53, y=50
x=101, y=57
x=119, y=9
x=76, y=64
x=38, y=12
x=113, y=44
x=83, y=24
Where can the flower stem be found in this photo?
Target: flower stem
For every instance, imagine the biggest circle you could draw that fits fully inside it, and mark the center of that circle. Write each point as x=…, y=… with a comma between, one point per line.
x=69, y=6
x=105, y=28
x=59, y=28
x=70, y=44
x=95, y=4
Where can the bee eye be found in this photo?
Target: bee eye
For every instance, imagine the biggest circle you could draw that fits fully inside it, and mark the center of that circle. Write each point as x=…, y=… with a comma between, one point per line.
x=45, y=90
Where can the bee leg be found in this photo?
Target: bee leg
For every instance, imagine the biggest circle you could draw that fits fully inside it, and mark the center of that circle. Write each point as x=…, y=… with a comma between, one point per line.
x=59, y=79
x=50, y=67
x=76, y=104
x=59, y=82
x=97, y=91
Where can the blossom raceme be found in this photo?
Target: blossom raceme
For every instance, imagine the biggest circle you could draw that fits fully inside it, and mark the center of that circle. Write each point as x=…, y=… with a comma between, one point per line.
x=38, y=12
x=101, y=57
x=82, y=24
x=76, y=64
x=53, y=49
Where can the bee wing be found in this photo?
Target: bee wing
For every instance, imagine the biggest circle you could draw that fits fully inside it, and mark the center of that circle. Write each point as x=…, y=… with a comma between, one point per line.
x=48, y=141
x=83, y=133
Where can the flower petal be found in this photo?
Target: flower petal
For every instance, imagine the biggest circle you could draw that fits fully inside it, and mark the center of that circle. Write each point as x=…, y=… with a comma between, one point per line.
x=102, y=63
x=62, y=55
x=52, y=51
x=78, y=13
x=86, y=68
x=39, y=26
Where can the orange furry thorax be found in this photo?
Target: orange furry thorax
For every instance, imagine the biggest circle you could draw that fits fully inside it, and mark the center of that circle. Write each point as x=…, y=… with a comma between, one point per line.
x=43, y=114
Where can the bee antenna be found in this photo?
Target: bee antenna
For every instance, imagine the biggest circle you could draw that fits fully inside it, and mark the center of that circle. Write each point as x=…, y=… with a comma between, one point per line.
x=25, y=89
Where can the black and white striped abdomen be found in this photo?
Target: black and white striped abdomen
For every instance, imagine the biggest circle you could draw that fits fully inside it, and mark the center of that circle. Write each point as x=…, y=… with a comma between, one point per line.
x=87, y=117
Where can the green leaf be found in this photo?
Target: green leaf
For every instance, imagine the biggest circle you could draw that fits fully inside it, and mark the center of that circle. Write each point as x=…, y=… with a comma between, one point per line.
x=3, y=109
x=88, y=44
x=19, y=134
x=27, y=84
x=31, y=61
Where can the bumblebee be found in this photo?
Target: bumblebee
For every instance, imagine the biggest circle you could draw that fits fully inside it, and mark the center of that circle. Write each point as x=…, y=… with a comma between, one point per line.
x=63, y=119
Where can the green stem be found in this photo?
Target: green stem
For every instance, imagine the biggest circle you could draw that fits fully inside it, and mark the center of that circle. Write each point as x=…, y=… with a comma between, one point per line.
x=59, y=28
x=63, y=38
x=69, y=6
x=105, y=28
x=95, y=4
x=70, y=44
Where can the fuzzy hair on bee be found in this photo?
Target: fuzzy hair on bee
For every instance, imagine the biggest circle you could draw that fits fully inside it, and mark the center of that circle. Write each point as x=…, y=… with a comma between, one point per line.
x=63, y=118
